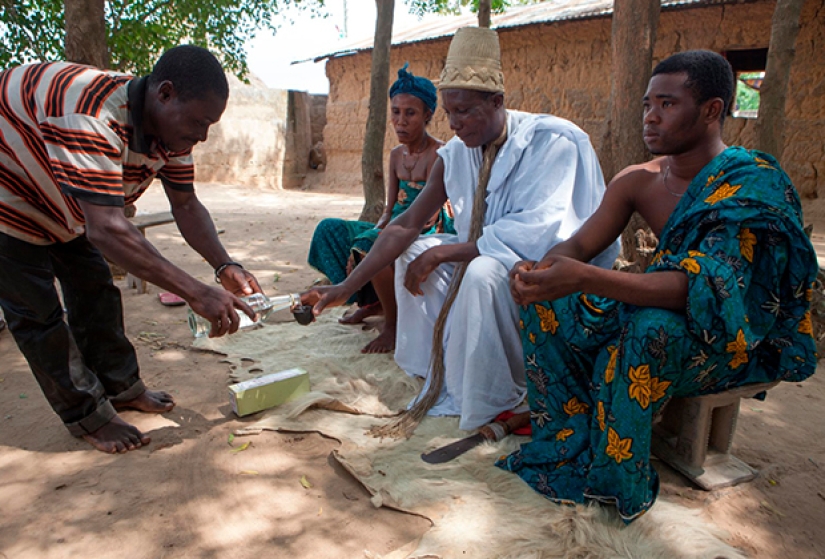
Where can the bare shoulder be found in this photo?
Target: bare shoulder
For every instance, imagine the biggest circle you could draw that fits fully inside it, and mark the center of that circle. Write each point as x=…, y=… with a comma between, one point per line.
x=395, y=157
x=432, y=149
x=396, y=152
x=636, y=177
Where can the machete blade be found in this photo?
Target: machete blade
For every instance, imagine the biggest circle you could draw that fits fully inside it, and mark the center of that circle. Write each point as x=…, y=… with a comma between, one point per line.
x=452, y=450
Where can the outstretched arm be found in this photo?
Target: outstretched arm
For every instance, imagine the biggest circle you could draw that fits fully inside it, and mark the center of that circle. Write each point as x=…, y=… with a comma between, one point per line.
x=109, y=230
x=195, y=224
x=391, y=243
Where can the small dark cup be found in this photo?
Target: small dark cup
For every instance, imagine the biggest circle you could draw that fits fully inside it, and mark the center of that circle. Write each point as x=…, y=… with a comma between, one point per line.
x=303, y=314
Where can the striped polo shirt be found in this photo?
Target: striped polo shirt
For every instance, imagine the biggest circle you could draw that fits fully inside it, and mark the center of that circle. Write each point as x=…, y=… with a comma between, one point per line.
x=70, y=132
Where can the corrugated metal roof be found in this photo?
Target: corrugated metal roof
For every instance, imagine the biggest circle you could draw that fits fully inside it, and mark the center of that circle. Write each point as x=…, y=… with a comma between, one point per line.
x=518, y=16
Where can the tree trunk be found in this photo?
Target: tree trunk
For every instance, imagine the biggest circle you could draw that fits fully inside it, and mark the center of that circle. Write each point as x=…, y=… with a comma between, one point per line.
x=484, y=9
x=85, y=22
x=372, y=157
x=770, y=123
x=632, y=41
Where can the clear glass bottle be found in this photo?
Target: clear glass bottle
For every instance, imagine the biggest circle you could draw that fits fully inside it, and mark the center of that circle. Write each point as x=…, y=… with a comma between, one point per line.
x=260, y=303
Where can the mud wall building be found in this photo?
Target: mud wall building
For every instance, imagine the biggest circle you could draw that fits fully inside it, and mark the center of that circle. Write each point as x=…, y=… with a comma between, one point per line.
x=263, y=138
x=556, y=59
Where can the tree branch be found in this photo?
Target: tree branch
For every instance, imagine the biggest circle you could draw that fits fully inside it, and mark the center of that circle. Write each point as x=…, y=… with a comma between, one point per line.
x=118, y=17
x=26, y=32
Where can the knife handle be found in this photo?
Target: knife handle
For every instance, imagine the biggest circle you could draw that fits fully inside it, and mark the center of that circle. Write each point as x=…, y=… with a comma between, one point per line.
x=499, y=429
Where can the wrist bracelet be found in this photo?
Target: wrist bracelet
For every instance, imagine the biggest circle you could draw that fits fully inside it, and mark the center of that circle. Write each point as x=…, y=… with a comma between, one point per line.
x=219, y=270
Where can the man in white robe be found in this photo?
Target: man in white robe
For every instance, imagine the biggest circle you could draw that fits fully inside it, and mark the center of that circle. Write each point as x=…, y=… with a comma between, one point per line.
x=544, y=184
x=545, y=181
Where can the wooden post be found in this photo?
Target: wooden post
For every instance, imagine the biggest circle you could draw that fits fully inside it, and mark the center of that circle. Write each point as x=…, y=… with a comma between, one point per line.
x=484, y=9
x=632, y=41
x=770, y=123
x=85, y=23
x=372, y=156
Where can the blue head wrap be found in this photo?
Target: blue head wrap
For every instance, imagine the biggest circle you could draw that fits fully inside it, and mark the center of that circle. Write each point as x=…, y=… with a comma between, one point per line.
x=414, y=85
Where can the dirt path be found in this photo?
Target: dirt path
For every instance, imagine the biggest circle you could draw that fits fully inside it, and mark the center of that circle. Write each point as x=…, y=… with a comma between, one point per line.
x=188, y=495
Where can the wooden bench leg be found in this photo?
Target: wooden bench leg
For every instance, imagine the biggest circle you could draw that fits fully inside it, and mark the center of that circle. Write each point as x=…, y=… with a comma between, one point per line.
x=695, y=437
x=134, y=282
x=722, y=427
x=141, y=222
x=694, y=425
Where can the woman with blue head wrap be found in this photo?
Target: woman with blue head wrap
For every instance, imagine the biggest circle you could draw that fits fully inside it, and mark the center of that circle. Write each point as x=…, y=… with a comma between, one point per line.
x=417, y=86
x=338, y=245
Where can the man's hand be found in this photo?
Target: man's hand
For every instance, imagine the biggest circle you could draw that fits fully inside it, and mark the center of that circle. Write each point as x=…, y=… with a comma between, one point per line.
x=515, y=277
x=218, y=307
x=420, y=269
x=325, y=296
x=239, y=282
x=547, y=280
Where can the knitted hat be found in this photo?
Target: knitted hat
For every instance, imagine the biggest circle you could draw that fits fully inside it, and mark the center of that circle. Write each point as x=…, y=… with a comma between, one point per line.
x=416, y=86
x=473, y=61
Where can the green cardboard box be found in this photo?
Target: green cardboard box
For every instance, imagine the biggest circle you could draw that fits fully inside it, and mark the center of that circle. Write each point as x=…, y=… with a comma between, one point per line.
x=268, y=391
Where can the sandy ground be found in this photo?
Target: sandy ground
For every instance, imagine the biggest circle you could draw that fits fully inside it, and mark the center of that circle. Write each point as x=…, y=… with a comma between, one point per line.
x=188, y=494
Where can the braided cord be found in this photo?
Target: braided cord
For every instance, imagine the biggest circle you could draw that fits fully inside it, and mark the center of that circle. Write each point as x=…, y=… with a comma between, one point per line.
x=405, y=424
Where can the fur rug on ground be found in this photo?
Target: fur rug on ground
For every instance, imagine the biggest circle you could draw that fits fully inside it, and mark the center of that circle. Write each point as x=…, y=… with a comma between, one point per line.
x=476, y=509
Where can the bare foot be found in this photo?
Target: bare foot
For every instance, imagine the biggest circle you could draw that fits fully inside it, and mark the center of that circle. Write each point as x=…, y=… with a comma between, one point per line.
x=151, y=401
x=361, y=313
x=117, y=436
x=384, y=343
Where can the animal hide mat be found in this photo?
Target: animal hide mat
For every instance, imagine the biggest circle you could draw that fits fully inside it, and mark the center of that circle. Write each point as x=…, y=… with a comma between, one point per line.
x=476, y=509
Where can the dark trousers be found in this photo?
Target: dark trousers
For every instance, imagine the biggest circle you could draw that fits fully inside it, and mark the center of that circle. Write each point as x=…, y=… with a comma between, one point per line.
x=85, y=363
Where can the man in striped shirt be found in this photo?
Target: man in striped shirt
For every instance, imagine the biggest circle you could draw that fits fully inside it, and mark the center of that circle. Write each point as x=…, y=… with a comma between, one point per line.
x=76, y=144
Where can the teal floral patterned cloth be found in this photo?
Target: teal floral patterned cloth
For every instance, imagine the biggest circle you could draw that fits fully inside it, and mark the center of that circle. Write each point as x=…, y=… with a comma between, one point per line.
x=408, y=191
x=599, y=370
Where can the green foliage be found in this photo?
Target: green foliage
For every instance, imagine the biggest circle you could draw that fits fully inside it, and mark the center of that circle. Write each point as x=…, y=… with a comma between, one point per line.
x=453, y=7
x=30, y=31
x=747, y=98
x=139, y=32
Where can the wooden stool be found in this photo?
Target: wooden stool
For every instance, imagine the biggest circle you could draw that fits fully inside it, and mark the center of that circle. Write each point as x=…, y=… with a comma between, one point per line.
x=694, y=436
x=142, y=222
